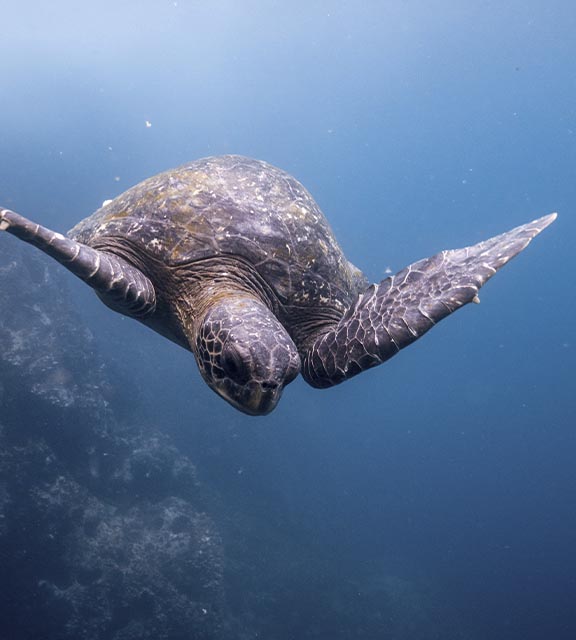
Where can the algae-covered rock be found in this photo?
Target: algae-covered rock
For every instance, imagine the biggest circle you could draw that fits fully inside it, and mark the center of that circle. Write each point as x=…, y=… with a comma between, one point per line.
x=100, y=534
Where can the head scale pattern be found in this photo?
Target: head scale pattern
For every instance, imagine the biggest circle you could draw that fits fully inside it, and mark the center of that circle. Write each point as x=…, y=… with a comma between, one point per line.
x=245, y=354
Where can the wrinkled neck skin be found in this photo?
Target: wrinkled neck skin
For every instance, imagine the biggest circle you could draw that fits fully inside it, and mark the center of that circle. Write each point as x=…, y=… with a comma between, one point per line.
x=230, y=322
x=200, y=286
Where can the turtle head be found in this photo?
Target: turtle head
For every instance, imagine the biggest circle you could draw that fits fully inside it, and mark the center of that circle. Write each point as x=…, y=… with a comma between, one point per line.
x=245, y=354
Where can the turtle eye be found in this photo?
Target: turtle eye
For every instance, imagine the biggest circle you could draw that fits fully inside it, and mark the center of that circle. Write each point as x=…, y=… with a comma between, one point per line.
x=234, y=364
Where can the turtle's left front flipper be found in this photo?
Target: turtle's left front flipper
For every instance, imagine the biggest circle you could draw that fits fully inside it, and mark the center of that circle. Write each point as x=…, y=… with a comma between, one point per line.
x=118, y=284
x=391, y=315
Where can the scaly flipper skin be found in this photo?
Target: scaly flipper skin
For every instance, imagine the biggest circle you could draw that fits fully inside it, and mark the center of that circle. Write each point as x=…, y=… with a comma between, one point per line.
x=391, y=315
x=119, y=285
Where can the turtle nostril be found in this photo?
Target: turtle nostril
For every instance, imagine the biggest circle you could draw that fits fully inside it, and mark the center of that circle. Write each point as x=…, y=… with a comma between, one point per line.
x=269, y=386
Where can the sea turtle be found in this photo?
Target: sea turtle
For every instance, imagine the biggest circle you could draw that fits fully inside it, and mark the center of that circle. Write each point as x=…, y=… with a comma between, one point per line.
x=232, y=259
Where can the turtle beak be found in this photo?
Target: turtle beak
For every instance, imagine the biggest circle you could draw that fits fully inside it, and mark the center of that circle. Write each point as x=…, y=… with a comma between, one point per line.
x=254, y=399
x=262, y=400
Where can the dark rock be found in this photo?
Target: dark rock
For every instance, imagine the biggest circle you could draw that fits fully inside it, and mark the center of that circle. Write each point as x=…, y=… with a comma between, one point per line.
x=151, y=571
x=42, y=340
x=101, y=535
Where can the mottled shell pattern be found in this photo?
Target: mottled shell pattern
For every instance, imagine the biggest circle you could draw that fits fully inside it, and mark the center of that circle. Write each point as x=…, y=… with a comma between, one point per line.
x=235, y=206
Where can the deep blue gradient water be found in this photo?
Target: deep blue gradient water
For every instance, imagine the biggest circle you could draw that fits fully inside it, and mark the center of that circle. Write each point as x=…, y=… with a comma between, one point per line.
x=417, y=126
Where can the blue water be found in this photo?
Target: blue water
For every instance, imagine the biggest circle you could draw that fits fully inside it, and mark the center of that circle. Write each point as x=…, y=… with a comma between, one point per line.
x=417, y=126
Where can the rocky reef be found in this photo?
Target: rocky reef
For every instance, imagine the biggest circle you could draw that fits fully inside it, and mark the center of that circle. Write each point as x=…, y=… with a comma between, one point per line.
x=101, y=532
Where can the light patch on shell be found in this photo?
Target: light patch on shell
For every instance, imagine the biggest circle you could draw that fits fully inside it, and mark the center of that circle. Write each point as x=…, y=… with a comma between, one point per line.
x=106, y=202
x=155, y=244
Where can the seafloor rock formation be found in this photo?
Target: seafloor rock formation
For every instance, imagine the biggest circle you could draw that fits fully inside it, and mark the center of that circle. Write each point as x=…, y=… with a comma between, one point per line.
x=100, y=537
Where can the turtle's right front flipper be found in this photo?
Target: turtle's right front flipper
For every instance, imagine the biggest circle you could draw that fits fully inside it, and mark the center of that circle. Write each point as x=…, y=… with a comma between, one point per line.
x=120, y=285
x=391, y=315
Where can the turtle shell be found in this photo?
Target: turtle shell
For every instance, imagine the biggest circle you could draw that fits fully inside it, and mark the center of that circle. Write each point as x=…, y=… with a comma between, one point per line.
x=234, y=206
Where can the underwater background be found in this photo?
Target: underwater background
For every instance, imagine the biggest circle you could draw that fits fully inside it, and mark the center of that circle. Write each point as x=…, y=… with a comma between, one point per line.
x=432, y=497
